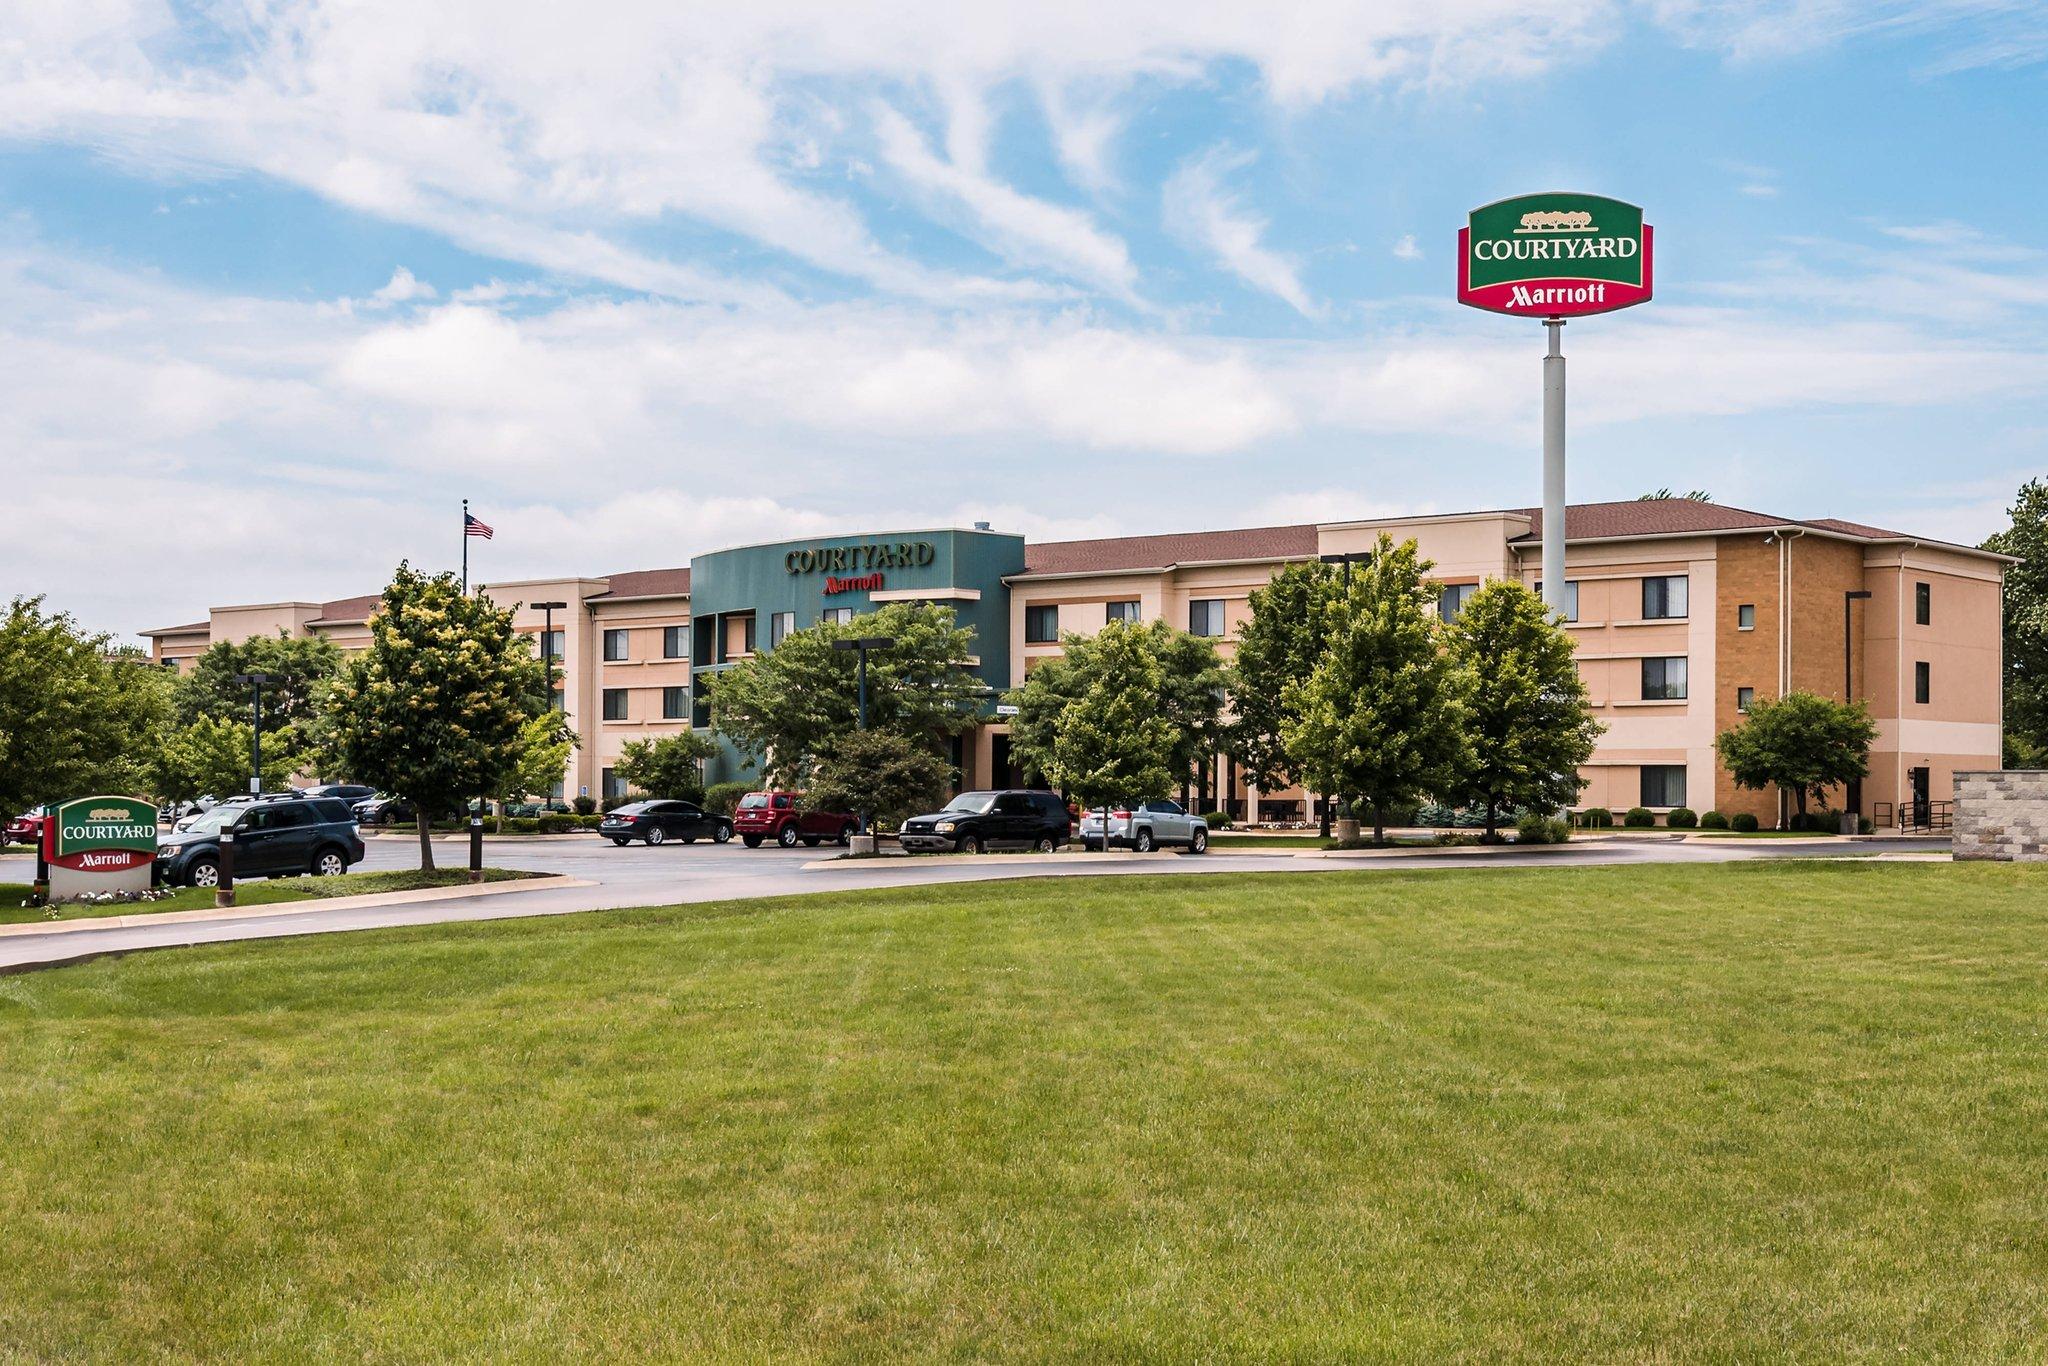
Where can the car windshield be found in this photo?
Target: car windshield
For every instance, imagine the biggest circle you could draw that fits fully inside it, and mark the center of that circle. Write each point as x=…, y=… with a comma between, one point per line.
x=972, y=803
x=753, y=801
x=214, y=821
x=632, y=808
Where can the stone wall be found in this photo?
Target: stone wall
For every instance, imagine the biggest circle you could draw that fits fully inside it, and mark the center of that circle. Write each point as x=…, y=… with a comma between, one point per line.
x=2002, y=815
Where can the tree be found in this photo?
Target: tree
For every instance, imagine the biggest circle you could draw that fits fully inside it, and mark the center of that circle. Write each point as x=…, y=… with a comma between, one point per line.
x=1666, y=496
x=434, y=710
x=1799, y=742
x=546, y=740
x=1192, y=685
x=1092, y=724
x=299, y=669
x=1280, y=645
x=211, y=756
x=671, y=767
x=879, y=774
x=2026, y=627
x=73, y=721
x=786, y=705
x=1382, y=718
x=1527, y=719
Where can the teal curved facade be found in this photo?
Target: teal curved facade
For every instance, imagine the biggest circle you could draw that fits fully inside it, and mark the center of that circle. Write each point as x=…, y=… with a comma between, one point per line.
x=741, y=594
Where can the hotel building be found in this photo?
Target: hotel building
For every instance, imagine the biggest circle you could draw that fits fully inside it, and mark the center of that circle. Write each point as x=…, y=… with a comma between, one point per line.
x=1684, y=614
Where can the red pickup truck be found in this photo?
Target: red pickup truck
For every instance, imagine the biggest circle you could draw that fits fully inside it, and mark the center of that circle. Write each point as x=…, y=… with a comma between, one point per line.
x=780, y=816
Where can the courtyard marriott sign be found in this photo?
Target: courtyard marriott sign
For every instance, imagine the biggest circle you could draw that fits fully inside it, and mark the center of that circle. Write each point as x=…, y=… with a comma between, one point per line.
x=99, y=844
x=1554, y=255
x=864, y=559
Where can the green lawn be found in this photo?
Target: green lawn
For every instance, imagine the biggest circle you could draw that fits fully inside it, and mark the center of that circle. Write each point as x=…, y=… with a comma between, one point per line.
x=253, y=892
x=1743, y=1112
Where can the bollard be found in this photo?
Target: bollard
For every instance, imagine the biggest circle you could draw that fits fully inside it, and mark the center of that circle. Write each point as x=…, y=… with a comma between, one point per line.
x=476, y=847
x=224, y=890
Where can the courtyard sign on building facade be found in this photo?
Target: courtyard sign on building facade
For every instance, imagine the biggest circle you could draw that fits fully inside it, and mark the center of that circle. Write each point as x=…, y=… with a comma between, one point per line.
x=99, y=844
x=1554, y=255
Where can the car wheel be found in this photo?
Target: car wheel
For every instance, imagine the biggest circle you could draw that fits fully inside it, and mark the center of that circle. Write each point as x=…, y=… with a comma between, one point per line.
x=1143, y=843
x=203, y=873
x=970, y=844
x=330, y=863
x=721, y=834
x=1091, y=846
x=1045, y=845
x=786, y=837
x=656, y=836
x=846, y=834
x=622, y=843
x=751, y=841
x=1199, y=844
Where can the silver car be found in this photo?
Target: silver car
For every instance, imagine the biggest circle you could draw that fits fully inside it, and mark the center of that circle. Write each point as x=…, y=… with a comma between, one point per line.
x=1145, y=826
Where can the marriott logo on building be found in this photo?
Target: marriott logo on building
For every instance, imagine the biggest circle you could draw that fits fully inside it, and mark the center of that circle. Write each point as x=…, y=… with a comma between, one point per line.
x=1554, y=255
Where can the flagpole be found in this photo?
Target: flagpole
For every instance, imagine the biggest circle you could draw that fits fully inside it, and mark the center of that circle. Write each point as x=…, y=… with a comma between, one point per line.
x=465, y=547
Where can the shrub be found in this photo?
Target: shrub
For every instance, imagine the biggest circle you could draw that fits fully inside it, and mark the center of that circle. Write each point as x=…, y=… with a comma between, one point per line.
x=1216, y=820
x=1534, y=828
x=555, y=825
x=586, y=805
x=1816, y=822
x=1639, y=818
x=613, y=803
x=722, y=798
x=1596, y=818
x=1742, y=821
x=1713, y=820
x=1681, y=818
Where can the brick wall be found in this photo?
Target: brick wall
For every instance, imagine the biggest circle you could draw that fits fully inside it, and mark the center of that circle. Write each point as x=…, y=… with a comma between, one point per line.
x=2002, y=815
x=1746, y=574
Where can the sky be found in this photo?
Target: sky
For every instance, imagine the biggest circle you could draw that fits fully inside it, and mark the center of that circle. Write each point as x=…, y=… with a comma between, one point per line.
x=281, y=282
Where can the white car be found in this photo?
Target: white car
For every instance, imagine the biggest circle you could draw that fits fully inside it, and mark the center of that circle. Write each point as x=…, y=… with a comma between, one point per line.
x=1145, y=826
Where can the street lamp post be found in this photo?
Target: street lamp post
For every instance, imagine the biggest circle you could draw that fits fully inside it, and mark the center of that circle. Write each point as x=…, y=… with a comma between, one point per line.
x=861, y=645
x=547, y=637
x=255, y=682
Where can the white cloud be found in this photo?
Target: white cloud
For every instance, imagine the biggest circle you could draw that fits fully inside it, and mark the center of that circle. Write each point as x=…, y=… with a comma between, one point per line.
x=1200, y=211
x=403, y=288
x=1407, y=249
x=1026, y=231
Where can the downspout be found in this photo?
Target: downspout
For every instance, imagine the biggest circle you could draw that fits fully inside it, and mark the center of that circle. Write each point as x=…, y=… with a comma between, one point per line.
x=1785, y=535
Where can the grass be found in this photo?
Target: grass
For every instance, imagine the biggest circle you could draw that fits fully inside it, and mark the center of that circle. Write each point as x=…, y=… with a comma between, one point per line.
x=253, y=892
x=1733, y=1112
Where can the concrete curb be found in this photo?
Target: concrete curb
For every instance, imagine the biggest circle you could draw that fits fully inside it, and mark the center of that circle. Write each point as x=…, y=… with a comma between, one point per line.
x=544, y=883
x=1160, y=857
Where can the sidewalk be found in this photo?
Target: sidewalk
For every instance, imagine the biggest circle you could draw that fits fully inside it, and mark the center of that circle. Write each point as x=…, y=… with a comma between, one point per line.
x=544, y=883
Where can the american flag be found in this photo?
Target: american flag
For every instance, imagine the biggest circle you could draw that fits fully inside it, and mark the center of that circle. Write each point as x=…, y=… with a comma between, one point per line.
x=471, y=526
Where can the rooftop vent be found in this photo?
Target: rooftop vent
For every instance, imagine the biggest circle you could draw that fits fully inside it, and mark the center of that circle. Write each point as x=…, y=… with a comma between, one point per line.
x=981, y=526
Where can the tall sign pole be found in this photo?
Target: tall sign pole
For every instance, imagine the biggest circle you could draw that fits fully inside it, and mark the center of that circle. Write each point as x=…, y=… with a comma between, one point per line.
x=1554, y=256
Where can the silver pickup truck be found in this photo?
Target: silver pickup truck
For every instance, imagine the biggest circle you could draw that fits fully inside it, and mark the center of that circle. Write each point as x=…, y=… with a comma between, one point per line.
x=1145, y=826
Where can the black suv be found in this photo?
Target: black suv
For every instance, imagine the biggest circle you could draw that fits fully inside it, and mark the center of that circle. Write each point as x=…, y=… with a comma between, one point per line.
x=974, y=821
x=285, y=838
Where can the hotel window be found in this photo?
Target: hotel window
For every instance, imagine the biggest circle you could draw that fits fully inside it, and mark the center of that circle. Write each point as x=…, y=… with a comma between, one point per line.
x=1664, y=597
x=1923, y=681
x=837, y=616
x=1042, y=624
x=747, y=634
x=1453, y=597
x=1664, y=679
x=614, y=704
x=614, y=646
x=1745, y=617
x=675, y=642
x=1923, y=604
x=558, y=701
x=1663, y=785
x=1571, y=598
x=1122, y=611
x=551, y=644
x=675, y=704
x=779, y=627
x=1745, y=698
x=1205, y=617
x=611, y=784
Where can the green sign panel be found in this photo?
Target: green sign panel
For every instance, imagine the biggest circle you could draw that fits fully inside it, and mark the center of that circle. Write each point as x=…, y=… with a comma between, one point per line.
x=1554, y=255
x=100, y=834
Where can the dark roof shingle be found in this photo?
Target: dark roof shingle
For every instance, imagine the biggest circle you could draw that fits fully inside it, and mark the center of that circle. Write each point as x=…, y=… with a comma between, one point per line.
x=647, y=583
x=1157, y=552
